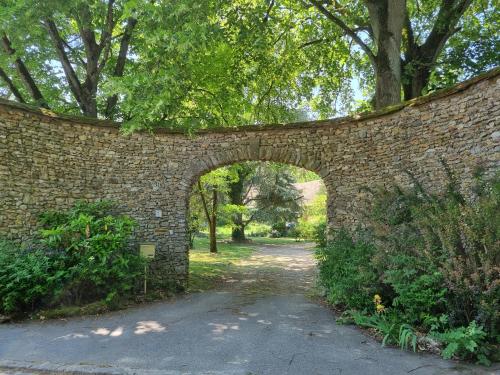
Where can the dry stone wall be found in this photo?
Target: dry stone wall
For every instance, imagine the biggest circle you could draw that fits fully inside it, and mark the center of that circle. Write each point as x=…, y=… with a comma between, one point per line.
x=49, y=161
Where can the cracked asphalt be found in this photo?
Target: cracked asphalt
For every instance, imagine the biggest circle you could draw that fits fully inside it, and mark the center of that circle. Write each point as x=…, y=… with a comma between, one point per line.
x=260, y=321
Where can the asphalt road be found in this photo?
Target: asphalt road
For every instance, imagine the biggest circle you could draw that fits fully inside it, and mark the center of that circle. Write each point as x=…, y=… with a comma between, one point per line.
x=261, y=321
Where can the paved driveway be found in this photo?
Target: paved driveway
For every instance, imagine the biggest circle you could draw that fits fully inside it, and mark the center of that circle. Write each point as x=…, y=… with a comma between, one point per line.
x=260, y=321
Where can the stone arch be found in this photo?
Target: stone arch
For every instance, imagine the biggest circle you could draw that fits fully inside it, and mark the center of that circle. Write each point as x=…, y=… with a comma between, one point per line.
x=47, y=161
x=217, y=158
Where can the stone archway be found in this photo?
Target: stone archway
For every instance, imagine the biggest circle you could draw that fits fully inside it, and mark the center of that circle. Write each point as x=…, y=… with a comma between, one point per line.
x=49, y=161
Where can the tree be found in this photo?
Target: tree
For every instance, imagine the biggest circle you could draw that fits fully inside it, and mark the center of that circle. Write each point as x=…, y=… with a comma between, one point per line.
x=86, y=42
x=210, y=188
x=402, y=59
x=192, y=64
x=211, y=63
x=239, y=196
x=278, y=201
x=261, y=192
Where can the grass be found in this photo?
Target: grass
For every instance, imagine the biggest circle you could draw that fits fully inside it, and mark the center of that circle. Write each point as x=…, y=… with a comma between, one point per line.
x=206, y=270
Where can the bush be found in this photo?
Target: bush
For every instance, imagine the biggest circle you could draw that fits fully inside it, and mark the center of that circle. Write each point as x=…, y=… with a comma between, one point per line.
x=429, y=255
x=345, y=271
x=320, y=233
x=464, y=343
x=27, y=278
x=82, y=256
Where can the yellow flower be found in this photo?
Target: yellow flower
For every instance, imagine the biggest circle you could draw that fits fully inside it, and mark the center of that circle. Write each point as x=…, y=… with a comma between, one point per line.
x=377, y=299
x=380, y=308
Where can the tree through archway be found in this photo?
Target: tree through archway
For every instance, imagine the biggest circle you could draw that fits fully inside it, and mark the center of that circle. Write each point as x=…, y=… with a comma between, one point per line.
x=263, y=198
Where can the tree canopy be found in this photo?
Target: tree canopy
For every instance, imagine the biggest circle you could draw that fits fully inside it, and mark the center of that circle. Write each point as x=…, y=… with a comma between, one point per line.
x=194, y=64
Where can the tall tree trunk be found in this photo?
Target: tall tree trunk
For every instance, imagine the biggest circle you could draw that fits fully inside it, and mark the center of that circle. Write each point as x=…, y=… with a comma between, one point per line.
x=212, y=231
x=213, y=223
x=120, y=64
x=236, y=196
x=210, y=216
x=387, y=19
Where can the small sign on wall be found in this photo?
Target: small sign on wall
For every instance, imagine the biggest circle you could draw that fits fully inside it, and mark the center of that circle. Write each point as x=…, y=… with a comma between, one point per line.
x=147, y=250
x=158, y=213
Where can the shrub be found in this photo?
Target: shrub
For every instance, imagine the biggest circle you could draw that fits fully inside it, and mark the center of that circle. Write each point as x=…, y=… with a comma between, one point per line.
x=346, y=272
x=464, y=343
x=27, y=277
x=320, y=233
x=82, y=256
x=91, y=247
x=429, y=255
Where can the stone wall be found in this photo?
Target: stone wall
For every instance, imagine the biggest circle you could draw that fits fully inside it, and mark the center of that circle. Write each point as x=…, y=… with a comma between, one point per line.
x=48, y=161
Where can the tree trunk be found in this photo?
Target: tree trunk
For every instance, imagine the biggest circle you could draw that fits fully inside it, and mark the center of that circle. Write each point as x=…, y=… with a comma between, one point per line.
x=13, y=89
x=387, y=19
x=238, y=232
x=420, y=60
x=211, y=217
x=24, y=74
x=236, y=196
x=416, y=82
x=212, y=228
x=213, y=223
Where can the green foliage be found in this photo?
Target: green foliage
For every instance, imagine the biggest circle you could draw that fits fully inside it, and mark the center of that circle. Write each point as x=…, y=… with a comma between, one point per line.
x=193, y=64
x=387, y=325
x=346, y=271
x=417, y=294
x=312, y=223
x=27, y=277
x=407, y=337
x=82, y=256
x=465, y=343
x=320, y=233
x=433, y=257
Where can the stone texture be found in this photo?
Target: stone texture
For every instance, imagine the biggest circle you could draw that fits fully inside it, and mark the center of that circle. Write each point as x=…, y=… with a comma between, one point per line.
x=48, y=161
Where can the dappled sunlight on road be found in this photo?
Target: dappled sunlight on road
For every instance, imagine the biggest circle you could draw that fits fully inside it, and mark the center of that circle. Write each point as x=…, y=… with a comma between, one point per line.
x=140, y=328
x=148, y=327
x=218, y=328
x=273, y=270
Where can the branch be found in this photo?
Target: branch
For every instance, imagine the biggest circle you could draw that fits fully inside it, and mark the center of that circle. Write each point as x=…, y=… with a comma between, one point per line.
x=269, y=8
x=312, y=42
x=246, y=222
x=73, y=81
x=120, y=62
x=216, y=101
x=106, y=37
x=13, y=89
x=449, y=14
x=346, y=29
x=74, y=53
x=25, y=75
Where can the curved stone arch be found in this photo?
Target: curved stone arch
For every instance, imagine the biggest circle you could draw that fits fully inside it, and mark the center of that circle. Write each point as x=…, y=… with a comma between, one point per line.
x=41, y=152
x=285, y=155
x=198, y=168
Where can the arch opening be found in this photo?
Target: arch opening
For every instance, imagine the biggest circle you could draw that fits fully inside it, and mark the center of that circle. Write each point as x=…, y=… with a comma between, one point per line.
x=254, y=214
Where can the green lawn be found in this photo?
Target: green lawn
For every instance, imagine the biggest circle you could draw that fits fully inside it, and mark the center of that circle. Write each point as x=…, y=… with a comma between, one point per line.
x=206, y=269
